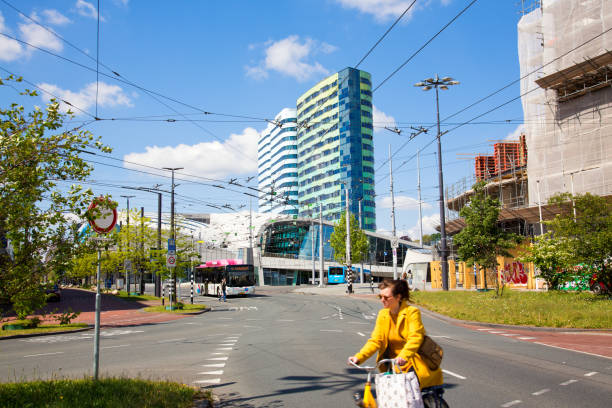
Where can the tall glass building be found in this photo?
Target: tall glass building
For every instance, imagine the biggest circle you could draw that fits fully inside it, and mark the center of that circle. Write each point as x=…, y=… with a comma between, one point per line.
x=277, y=158
x=335, y=148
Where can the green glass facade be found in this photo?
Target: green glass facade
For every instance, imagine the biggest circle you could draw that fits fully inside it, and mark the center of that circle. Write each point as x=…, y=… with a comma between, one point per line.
x=335, y=147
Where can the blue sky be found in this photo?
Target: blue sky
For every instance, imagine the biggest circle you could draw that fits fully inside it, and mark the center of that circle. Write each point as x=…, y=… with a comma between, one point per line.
x=246, y=60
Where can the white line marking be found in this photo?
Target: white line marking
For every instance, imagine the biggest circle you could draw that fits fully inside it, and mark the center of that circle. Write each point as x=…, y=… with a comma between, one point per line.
x=170, y=341
x=218, y=358
x=226, y=344
x=361, y=334
x=223, y=348
x=331, y=330
x=577, y=351
x=214, y=372
x=252, y=327
x=442, y=337
x=211, y=381
x=526, y=338
x=543, y=391
x=285, y=320
x=121, y=345
x=498, y=332
x=220, y=365
x=218, y=354
x=44, y=354
x=511, y=403
x=592, y=373
x=509, y=334
x=568, y=382
x=189, y=323
x=454, y=374
x=225, y=318
x=484, y=329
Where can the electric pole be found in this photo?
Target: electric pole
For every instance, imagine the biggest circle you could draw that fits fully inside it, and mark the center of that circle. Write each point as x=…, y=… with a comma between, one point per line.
x=172, y=230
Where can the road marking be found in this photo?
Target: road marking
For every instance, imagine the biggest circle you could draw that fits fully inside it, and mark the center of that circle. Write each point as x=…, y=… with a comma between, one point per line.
x=285, y=320
x=484, y=329
x=576, y=351
x=361, y=334
x=526, y=338
x=509, y=334
x=214, y=372
x=511, y=403
x=251, y=327
x=223, y=348
x=226, y=344
x=225, y=318
x=454, y=374
x=592, y=373
x=340, y=313
x=44, y=354
x=211, y=381
x=369, y=316
x=190, y=323
x=218, y=354
x=220, y=365
x=442, y=337
x=171, y=340
x=568, y=382
x=497, y=332
x=331, y=330
x=121, y=345
x=218, y=358
x=359, y=323
x=543, y=391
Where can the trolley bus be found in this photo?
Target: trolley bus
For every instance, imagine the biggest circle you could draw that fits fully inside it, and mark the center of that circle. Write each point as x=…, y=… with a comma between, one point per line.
x=240, y=280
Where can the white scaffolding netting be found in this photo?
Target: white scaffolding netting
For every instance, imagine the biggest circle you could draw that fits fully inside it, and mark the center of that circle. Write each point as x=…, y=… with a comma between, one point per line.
x=569, y=138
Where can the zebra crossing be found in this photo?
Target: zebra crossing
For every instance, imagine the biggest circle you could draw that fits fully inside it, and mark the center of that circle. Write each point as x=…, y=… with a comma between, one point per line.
x=216, y=361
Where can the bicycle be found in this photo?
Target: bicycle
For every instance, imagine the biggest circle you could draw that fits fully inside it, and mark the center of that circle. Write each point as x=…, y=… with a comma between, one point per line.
x=432, y=396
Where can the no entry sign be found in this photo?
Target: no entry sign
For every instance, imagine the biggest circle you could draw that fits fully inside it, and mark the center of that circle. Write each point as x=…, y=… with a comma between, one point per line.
x=104, y=217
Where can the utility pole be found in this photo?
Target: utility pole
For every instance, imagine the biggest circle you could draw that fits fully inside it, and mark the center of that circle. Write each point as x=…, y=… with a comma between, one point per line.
x=322, y=270
x=540, y=206
x=142, y=282
x=312, y=238
x=348, y=232
x=250, y=224
x=172, y=230
x=127, y=270
x=159, y=215
x=392, y=213
x=426, y=85
x=360, y=227
x=420, y=202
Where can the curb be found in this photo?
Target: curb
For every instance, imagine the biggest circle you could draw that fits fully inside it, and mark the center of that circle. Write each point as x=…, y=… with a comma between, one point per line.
x=506, y=326
x=197, y=312
x=20, y=336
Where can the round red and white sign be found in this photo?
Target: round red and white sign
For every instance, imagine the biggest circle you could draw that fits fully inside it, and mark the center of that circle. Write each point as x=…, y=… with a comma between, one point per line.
x=104, y=219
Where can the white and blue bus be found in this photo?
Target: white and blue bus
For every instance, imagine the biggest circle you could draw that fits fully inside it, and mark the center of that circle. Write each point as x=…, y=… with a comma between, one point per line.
x=337, y=274
x=240, y=280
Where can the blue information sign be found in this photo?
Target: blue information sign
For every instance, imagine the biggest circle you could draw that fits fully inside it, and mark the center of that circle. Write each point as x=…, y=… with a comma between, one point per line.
x=171, y=244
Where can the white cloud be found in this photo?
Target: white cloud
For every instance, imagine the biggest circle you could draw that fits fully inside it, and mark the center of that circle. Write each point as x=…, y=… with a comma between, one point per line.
x=10, y=49
x=108, y=96
x=55, y=17
x=87, y=9
x=430, y=222
x=514, y=135
x=207, y=159
x=382, y=10
x=401, y=203
x=36, y=35
x=290, y=56
x=381, y=119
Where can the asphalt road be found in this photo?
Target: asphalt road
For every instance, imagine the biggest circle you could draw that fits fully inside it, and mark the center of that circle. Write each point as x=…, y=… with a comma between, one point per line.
x=282, y=349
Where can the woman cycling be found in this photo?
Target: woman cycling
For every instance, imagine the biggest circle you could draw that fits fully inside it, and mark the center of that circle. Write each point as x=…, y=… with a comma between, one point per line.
x=398, y=334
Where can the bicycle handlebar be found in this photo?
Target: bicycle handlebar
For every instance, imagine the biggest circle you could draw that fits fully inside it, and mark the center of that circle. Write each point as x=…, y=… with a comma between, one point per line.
x=371, y=368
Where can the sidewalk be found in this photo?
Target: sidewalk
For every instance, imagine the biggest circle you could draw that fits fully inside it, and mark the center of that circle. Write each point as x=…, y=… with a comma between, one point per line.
x=115, y=312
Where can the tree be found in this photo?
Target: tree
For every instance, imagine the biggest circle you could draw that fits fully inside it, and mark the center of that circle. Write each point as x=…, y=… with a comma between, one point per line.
x=482, y=240
x=429, y=238
x=551, y=256
x=359, y=241
x=588, y=237
x=36, y=154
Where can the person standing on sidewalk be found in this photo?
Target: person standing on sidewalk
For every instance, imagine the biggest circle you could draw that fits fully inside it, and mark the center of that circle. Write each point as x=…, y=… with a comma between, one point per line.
x=224, y=289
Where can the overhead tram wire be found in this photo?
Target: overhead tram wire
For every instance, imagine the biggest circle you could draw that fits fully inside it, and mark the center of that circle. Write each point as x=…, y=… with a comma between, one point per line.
x=97, y=58
x=499, y=90
x=424, y=45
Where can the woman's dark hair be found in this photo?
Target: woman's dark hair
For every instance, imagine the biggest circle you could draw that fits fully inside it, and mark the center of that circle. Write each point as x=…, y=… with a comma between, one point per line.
x=398, y=287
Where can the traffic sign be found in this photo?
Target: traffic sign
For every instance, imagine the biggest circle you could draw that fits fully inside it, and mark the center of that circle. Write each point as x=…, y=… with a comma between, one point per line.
x=395, y=242
x=171, y=245
x=103, y=217
x=170, y=260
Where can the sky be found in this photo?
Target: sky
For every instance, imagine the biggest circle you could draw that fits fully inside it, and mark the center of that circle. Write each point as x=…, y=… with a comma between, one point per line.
x=199, y=79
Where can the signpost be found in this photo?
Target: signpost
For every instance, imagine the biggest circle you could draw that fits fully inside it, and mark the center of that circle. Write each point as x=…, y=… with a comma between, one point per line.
x=103, y=219
x=171, y=263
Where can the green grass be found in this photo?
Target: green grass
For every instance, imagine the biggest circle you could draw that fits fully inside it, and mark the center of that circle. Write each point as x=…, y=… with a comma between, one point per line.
x=107, y=392
x=545, y=309
x=47, y=328
x=123, y=295
x=187, y=308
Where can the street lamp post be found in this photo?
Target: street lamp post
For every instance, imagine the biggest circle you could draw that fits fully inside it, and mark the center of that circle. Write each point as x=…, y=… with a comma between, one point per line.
x=426, y=85
x=172, y=169
x=127, y=272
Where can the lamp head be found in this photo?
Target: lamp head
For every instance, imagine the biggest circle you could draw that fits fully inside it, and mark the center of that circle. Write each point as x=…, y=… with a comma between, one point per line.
x=426, y=88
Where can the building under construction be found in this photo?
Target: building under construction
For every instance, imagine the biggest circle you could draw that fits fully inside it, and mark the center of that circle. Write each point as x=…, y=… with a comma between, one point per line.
x=566, y=72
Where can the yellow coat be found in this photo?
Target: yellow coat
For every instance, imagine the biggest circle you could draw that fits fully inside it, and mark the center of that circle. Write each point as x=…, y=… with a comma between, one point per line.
x=409, y=327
